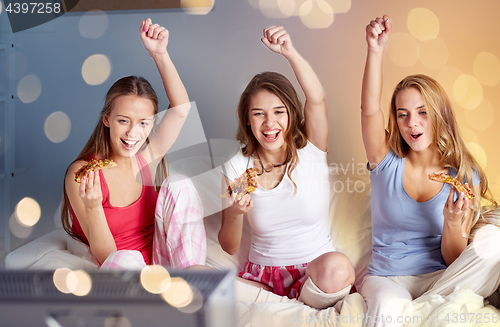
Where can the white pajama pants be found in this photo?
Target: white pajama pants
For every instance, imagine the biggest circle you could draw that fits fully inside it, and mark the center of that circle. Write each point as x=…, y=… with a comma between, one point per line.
x=179, y=239
x=477, y=269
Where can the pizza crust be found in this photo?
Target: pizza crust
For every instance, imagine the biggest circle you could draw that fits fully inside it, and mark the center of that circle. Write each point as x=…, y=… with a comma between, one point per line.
x=245, y=184
x=459, y=186
x=93, y=165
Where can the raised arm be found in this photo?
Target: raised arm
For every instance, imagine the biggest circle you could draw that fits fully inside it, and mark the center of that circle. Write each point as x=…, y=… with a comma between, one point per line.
x=315, y=113
x=86, y=201
x=155, y=40
x=372, y=116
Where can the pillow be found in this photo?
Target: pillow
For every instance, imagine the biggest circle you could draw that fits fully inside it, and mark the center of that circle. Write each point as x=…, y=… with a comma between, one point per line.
x=350, y=219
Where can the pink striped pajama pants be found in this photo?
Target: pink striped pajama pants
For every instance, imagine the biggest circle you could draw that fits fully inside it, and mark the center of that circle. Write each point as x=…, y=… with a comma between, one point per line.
x=179, y=239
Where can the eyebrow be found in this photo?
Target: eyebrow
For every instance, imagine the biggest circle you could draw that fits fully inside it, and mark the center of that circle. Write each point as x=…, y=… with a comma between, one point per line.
x=148, y=118
x=419, y=107
x=277, y=107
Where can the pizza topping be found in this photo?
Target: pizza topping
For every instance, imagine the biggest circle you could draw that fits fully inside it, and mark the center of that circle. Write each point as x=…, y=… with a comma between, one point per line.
x=245, y=184
x=459, y=186
x=93, y=165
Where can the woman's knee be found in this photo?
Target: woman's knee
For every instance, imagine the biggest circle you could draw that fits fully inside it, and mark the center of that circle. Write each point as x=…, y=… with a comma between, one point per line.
x=331, y=272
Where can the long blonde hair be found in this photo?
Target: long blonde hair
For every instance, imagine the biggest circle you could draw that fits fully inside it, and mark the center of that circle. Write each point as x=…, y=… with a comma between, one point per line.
x=447, y=138
x=99, y=142
x=294, y=135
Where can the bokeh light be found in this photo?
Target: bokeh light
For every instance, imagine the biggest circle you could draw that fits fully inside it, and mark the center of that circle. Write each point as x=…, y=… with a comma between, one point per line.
x=467, y=91
x=468, y=135
x=434, y=54
x=19, y=230
x=96, y=69
x=254, y=3
x=57, y=127
x=287, y=7
x=29, y=88
x=155, y=279
x=486, y=67
x=179, y=294
x=340, y=6
x=93, y=24
x=196, y=304
x=83, y=283
x=482, y=117
x=447, y=77
x=271, y=9
x=316, y=14
x=60, y=280
x=18, y=65
x=423, y=24
x=197, y=7
x=403, y=50
x=28, y=212
x=487, y=242
x=478, y=153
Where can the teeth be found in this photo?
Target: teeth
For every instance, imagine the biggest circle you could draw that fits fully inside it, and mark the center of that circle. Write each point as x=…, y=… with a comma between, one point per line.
x=130, y=142
x=270, y=133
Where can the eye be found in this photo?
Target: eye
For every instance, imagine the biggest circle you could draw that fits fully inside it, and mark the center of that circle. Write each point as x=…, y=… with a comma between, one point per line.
x=423, y=112
x=279, y=112
x=258, y=114
x=122, y=121
x=402, y=115
x=144, y=124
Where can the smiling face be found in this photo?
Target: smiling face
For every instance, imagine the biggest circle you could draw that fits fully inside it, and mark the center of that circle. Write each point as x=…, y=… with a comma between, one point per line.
x=268, y=119
x=413, y=119
x=130, y=122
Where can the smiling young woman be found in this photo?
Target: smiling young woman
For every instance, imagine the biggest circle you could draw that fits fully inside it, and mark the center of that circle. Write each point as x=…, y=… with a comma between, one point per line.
x=291, y=253
x=420, y=228
x=122, y=214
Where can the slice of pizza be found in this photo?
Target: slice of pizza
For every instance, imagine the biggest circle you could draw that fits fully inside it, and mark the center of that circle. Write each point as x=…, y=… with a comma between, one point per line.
x=245, y=184
x=93, y=165
x=459, y=186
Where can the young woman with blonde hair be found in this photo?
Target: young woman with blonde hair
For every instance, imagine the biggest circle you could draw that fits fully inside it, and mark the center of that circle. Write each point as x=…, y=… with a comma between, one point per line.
x=113, y=211
x=420, y=228
x=291, y=251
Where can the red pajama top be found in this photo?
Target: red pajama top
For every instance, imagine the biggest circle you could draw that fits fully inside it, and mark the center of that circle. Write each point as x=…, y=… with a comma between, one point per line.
x=132, y=226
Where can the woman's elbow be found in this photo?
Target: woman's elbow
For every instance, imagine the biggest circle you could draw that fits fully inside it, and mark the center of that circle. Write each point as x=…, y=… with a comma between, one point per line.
x=227, y=246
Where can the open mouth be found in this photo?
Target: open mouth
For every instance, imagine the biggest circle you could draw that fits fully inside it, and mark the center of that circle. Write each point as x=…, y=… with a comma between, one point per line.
x=415, y=136
x=129, y=145
x=271, y=136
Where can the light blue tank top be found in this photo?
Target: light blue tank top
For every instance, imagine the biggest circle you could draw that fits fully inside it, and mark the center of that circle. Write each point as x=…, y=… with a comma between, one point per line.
x=406, y=234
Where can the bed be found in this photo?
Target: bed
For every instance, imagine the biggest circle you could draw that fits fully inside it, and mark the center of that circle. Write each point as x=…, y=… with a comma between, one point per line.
x=350, y=229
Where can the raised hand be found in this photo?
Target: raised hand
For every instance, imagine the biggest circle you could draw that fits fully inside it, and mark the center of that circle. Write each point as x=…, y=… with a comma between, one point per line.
x=378, y=32
x=278, y=40
x=154, y=37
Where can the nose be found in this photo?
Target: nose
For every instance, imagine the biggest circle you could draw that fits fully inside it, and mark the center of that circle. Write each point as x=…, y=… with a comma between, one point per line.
x=270, y=120
x=412, y=120
x=133, y=131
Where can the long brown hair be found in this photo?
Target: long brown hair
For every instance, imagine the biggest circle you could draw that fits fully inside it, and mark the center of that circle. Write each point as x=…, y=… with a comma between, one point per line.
x=294, y=135
x=99, y=142
x=447, y=138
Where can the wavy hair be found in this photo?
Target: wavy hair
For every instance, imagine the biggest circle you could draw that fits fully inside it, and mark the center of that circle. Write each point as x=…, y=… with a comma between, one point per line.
x=99, y=143
x=294, y=135
x=446, y=139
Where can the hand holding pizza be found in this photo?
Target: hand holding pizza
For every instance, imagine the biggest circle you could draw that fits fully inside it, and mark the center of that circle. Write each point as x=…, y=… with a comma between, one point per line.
x=90, y=190
x=154, y=37
x=278, y=40
x=378, y=33
x=454, y=210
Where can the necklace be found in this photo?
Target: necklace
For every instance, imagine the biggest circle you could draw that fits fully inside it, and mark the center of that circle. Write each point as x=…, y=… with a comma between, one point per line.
x=264, y=170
